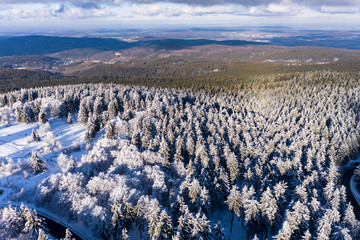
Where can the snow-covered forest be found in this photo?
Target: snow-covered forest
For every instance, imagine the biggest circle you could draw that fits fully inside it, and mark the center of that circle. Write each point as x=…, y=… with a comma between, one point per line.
x=156, y=163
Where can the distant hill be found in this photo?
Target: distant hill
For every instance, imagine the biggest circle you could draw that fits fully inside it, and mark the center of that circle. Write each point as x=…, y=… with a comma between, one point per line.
x=37, y=62
x=177, y=44
x=41, y=45
x=317, y=41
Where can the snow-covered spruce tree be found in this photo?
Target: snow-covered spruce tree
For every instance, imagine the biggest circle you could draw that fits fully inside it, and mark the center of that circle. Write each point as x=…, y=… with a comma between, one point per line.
x=166, y=228
x=201, y=228
x=122, y=218
x=99, y=105
x=147, y=135
x=34, y=137
x=139, y=219
x=112, y=109
x=164, y=151
x=109, y=130
x=69, y=118
x=269, y=209
x=18, y=114
x=42, y=235
x=37, y=165
x=117, y=220
x=234, y=201
x=83, y=113
x=68, y=235
x=185, y=223
x=231, y=163
x=26, y=115
x=33, y=224
x=42, y=117
x=105, y=118
x=194, y=190
x=92, y=127
x=11, y=223
x=124, y=234
x=218, y=232
x=154, y=227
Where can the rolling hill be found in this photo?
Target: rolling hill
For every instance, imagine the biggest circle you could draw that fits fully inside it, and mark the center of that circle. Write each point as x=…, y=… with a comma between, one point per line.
x=40, y=45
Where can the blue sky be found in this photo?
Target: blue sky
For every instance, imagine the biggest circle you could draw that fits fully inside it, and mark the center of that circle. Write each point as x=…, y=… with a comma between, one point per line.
x=16, y=15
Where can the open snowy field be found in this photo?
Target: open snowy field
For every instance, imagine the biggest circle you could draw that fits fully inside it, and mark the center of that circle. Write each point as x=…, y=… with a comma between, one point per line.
x=16, y=150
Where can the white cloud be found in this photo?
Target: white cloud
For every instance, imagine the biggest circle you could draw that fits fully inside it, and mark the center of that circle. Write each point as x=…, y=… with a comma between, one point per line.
x=283, y=8
x=156, y=11
x=149, y=9
x=61, y=10
x=279, y=8
x=205, y=10
x=334, y=10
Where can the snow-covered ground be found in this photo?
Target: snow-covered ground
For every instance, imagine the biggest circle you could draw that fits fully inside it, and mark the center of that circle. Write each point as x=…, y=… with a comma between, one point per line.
x=16, y=150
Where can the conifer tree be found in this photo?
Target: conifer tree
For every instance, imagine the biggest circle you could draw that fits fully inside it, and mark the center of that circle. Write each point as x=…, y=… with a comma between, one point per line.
x=69, y=119
x=166, y=228
x=35, y=136
x=26, y=115
x=306, y=236
x=194, y=190
x=42, y=235
x=154, y=230
x=139, y=219
x=98, y=105
x=42, y=117
x=202, y=227
x=268, y=206
x=82, y=114
x=105, y=118
x=109, y=130
x=145, y=140
x=234, y=202
x=68, y=235
x=18, y=115
x=37, y=165
x=124, y=235
x=112, y=109
x=164, y=151
x=232, y=166
x=218, y=232
x=117, y=219
x=190, y=146
x=33, y=223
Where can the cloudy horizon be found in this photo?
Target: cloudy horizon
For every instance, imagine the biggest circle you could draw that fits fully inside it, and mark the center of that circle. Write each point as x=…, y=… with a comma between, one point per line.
x=90, y=14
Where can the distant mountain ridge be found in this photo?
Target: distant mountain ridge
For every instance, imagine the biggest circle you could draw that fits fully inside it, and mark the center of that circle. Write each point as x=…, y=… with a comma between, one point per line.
x=41, y=45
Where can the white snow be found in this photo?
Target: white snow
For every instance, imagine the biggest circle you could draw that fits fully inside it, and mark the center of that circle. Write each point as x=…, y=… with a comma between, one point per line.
x=76, y=227
x=16, y=180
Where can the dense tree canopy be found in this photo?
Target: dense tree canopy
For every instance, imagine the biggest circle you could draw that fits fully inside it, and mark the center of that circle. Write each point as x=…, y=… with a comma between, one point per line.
x=172, y=157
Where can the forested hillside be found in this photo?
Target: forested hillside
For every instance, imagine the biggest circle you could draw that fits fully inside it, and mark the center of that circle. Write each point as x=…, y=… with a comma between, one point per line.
x=211, y=75
x=40, y=45
x=163, y=163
